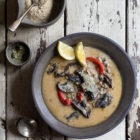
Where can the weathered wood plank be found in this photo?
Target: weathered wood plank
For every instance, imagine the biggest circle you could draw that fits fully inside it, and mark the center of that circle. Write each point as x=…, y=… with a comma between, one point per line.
x=134, y=52
x=104, y=17
x=2, y=71
x=111, y=135
x=19, y=99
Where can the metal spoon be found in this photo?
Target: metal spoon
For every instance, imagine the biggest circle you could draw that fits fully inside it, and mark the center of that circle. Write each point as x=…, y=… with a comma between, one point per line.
x=27, y=127
x=16, y=23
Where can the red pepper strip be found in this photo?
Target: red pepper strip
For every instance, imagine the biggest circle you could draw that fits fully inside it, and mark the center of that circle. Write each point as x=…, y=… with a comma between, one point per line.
x=80, y=97
x=96, y=61
x=97, y=68
x=64, y=101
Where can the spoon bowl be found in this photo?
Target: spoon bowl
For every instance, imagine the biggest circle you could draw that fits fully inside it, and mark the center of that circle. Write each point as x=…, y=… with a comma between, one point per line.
x=27, y=127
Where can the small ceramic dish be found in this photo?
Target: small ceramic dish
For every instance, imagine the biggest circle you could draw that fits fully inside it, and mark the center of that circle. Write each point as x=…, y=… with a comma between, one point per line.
x=17, y=50
x=57, y=11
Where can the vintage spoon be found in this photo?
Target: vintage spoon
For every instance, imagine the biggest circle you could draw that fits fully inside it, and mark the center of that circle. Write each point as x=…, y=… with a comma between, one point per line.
x=27, y=127
x=16, y=23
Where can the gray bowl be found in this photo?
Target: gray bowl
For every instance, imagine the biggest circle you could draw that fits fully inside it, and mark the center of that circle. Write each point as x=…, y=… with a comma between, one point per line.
x=127, y=72
x=57, y=11
x=12, y=46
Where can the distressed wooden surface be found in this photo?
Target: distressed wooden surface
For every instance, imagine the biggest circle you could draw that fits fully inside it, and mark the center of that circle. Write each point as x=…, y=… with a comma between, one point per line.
x=134, y=52
x=2, y=71
x=103, y=17
x=19, y=98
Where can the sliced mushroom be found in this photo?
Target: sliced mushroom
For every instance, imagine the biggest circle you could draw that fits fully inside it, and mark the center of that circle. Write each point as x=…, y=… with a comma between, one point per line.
x=84, y=102
x=52, y=68
x=77, y=105
x=90, y=95
x=108, y=80
x=59, y=73
x=73, y=78
x=104, y=101
x=73, y=115
x=66, y=87
x=69, y=65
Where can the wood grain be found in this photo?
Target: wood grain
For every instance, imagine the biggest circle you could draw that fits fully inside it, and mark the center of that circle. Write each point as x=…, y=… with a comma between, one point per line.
x=19, y=98
x=2, y=72
x=99, y=16
x=103, y=17
x=134, y=52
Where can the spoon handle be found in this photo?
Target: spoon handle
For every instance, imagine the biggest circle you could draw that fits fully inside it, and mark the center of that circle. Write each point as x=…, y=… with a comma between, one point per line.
x=17, y=22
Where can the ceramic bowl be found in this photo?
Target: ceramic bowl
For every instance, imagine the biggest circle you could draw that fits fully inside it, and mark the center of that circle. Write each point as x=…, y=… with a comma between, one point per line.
x=123, y=63
x=12, y=46
x=57, y=11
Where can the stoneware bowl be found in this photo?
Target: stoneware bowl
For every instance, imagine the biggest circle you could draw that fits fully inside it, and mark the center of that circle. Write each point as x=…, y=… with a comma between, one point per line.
x=12, y=46
x=57, y=11
x=124, y=65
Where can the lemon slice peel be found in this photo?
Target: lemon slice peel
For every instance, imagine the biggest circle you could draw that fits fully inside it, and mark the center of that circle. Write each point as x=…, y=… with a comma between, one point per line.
x=80, y=54
x=65, y=51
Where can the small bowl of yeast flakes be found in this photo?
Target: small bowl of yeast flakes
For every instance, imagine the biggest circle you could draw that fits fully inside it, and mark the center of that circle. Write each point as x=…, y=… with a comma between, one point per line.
x=44, y=14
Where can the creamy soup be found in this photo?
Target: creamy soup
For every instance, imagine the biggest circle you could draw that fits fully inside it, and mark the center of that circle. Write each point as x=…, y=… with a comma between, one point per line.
x=61, y=112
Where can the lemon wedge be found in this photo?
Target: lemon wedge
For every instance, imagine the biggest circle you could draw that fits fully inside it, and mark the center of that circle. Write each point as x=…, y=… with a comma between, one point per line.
x=65, y=51
x=80, y=54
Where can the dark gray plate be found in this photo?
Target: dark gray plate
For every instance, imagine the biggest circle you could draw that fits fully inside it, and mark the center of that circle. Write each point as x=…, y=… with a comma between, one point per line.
x=57, y=11
x=129, y=85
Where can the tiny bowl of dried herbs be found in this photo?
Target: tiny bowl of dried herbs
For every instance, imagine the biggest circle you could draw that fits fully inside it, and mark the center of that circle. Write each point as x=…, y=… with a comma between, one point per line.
x=18, y=53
